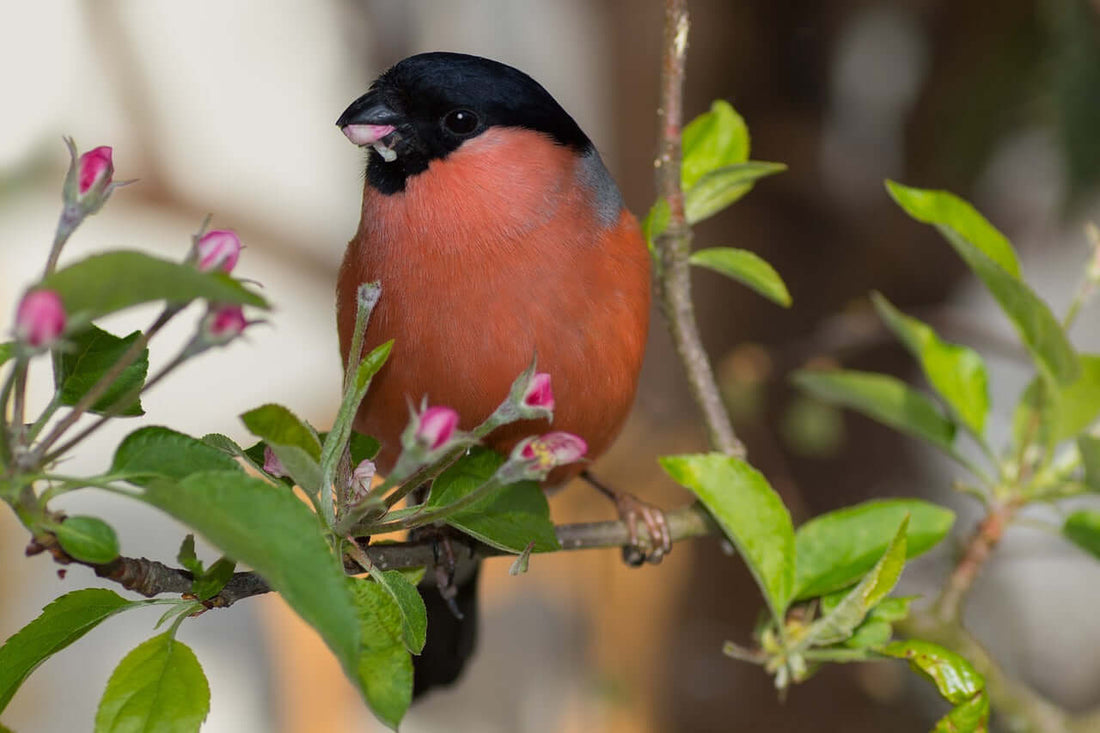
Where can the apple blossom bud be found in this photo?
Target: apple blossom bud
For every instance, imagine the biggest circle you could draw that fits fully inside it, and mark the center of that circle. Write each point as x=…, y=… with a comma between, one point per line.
x=223, y=324
x=361, y=479
x=88, y=183
x=40, y=319
x=94, y=171
x=534, y=457
x=437, y=425
x=218, y=250
x=539, y=395
x=272, y=464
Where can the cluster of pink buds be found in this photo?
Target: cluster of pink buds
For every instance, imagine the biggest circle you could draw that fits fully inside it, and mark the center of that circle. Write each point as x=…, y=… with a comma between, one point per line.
x=40, y=319
x=533, y=458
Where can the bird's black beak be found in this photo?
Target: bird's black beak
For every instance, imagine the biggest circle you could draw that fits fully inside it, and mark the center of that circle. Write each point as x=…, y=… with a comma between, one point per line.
x=369, y=119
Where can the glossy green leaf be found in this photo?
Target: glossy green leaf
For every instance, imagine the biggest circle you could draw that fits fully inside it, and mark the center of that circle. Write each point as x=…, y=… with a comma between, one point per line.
x=956, y=372
x=750, y=514
x=87, y=539
x=62, y=622
x=836, y=549
x=1082, y=528
x=508, y=518
x=883, y=398
x=955, y=678
x=278, y=536
x=747, y=268
x=712, y=140
x=1089, y=447
x=722, y=187
x=956, y=218
x=157, y=452
x=94, y=352
x=871, y=634
x=292, y=440
x=414, y=615
x=384, y=669
x=159, y=686
x=839, y=623
x=112, y=281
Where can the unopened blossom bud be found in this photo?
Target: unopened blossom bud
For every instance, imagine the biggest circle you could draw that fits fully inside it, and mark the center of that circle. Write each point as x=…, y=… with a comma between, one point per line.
x=217, y=250
x=530, y=398
x=89, y=181
x=224, y=323
x=272, y=464
x=436, y=426
x=40, y=319
x=539, y=395
x=535, y=457
x=361, y=479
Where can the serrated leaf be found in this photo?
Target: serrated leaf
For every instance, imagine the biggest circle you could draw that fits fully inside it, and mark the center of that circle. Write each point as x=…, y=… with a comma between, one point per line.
x=87, y=539
x=385, y=671
x=159, y=686
x=94, y=352
x=721, y=187
x=955, y=678
x=278, y=536
x=155, y=452
x=508, y=518
x=414, y=615
x=292, y=440
x=956, y=372
x=712, y=140
x=211, y=582
x=841, y=621
x=883, y=398
x=62, y=622
x=1082, y=528
x=836, y=549
x=750, y=514
x=113, y=281
x=746, y=268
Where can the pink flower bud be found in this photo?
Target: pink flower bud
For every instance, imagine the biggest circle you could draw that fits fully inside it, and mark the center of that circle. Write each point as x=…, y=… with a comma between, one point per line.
x=40, y=319
x=437, y=425
x=272, y=464
x=545, y=452
x=94, y=171
x=361, y=478
x=224, y=323
x=539, y=394
x=218, y=250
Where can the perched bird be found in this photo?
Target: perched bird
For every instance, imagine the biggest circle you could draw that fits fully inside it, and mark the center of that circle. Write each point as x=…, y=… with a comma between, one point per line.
x=497, y=234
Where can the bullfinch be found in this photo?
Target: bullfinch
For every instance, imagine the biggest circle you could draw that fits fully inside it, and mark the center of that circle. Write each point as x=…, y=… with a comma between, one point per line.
x=497, y=234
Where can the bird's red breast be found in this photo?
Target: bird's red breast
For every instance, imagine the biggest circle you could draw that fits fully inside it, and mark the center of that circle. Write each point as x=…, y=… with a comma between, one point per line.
x=503, y=249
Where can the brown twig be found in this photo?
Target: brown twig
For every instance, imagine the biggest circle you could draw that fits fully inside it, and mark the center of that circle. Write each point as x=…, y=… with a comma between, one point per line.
x=673, y=245
x=948, y=607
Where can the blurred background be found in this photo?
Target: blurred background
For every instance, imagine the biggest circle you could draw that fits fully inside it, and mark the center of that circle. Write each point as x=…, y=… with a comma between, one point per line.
x=228, y=108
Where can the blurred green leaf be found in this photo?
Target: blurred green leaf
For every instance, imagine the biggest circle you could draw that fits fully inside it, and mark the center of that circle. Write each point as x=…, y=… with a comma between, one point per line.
x=1078, y=403
x=750, y=514
x=7, y=351
x=385, y=671
x=712, y=140
x=1090, y=459
x=956, y=372
x=882, y=398
x=112, y=281
x=159, y=686
x=87, y=539
x=655, y=222
x=1082, y=528
x=62, y=622
x=508, y=518
x=839, y=624
x=414, y=615
x=278, y=536
x=152, y=452
x=292, y=440
x=94, y=352
x=747, y=268
x=836, y=549
x=722, y=187
x=871, y=634
x=955, y=678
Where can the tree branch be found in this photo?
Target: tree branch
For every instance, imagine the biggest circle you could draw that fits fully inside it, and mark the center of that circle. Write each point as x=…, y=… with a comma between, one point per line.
x=948, y=607
x=673, y=245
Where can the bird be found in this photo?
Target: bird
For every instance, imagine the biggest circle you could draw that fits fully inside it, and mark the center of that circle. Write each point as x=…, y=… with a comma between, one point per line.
x=497, y=235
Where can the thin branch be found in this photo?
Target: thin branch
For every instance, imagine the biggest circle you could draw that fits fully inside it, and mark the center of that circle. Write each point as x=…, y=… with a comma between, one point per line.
x=673, y=277
x=948, y=607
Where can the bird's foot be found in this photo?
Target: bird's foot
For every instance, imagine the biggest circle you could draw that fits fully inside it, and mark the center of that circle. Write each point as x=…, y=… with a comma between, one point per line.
x=631, y=509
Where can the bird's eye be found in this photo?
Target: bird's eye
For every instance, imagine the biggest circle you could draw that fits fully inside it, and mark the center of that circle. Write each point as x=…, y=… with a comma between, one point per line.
x=461, y=121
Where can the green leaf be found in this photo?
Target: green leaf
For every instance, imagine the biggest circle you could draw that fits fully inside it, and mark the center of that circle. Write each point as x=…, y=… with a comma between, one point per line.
x=87, y=539
x=841, y=621
x=835, y=549
x=112, y=281
x=747, y=268
x=723, y=186
x=62, y=622
x=713, y=140
x=187, y=557
x=7, y=351
x=292, y=440
x=278, y=536
x=988, y=254
x=362, y=448
x=882, y=398
x=414, y=615
x=159, y=686
x=656, y=222
x=1090, y=459
x=871, y=634
x=1082, y=528
x=385, y=670
x=955, y=678
x=956, y=372
x=210, y=583
x=751, y=515
x=96, y=351
x=508, y=518
x=158, y=452
x=956, y=218
x=1078, y=403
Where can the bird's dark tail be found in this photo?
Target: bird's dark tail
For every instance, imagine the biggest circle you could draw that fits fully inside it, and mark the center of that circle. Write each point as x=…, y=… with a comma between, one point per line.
x=451, y=640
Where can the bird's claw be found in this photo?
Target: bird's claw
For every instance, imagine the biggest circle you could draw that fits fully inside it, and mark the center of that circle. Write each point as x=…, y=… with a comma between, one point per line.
x=630, y=509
